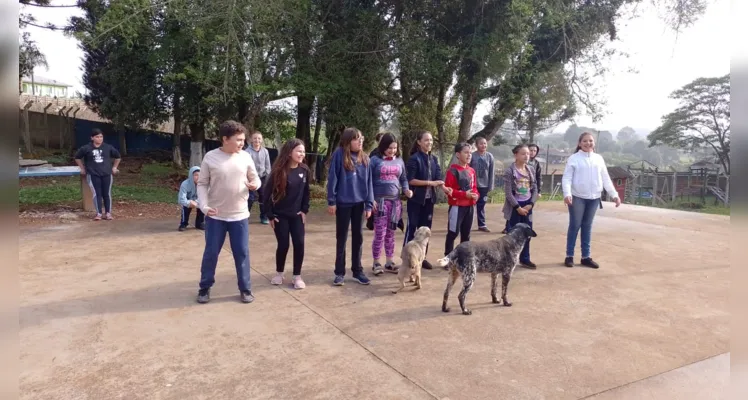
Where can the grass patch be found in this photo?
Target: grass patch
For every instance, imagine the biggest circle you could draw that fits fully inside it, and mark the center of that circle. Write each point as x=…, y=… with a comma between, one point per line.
x=69, y=190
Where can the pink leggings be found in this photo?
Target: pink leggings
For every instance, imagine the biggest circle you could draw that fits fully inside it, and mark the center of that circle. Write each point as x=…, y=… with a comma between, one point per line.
x=383, y=235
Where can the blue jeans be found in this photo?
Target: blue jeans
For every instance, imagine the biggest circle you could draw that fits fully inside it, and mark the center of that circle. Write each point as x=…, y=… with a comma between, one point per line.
x=215, y=235
x=481, y=206
x=581, y=214
x=515, y=219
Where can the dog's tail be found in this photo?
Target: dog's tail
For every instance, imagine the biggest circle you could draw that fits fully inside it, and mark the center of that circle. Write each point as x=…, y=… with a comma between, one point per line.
x=443, y=262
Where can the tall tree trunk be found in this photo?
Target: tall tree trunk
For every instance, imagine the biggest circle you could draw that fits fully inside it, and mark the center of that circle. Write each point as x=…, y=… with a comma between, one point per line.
x=197, y=137
x=176, y=144
x=312, y=158
x=122, y=140
x=304, y=108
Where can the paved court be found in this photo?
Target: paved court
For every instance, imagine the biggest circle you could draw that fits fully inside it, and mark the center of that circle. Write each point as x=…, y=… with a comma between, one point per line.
x=107, y=311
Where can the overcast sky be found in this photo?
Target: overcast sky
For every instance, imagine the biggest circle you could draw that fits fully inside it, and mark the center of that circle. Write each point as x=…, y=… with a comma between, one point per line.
x=663, y=62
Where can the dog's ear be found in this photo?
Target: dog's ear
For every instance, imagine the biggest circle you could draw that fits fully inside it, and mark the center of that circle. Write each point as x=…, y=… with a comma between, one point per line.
x=532, y=233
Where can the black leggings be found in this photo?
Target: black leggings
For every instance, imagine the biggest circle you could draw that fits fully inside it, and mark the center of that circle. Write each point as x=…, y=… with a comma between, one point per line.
x=353, y=217
x=101, y=188
x=284, y=228
x=418, y=215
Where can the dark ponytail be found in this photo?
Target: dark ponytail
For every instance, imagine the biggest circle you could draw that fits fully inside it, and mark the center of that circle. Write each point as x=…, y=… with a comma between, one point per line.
x=418, y=135
x=580, y=139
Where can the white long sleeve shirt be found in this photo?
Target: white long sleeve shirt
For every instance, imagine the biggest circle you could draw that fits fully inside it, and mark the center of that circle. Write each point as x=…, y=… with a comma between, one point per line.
x=586, y=175
x=222, y=184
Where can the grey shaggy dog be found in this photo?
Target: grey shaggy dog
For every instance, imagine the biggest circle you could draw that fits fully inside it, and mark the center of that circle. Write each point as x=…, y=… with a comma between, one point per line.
x=498, y=256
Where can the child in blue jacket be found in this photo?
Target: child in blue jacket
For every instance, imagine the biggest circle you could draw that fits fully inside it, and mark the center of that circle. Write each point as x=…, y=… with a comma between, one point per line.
x=187, y=198
x=350, y=196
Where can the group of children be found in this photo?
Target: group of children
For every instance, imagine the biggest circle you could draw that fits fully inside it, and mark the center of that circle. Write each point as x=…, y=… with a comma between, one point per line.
x=358, y=187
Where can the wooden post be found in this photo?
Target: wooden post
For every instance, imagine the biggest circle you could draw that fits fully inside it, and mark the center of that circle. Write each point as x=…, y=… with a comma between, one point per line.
x=61, y=114
x=71, y=125
x=46, y=126
x=87, y=195
x=654, y=189
x=27, y=128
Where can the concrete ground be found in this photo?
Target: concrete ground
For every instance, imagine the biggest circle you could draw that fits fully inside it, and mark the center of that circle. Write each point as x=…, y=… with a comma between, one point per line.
x=107, y=311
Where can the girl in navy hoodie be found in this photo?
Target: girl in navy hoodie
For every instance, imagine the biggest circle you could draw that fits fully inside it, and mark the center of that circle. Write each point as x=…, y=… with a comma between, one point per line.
x=350, y=195
x=424, y=177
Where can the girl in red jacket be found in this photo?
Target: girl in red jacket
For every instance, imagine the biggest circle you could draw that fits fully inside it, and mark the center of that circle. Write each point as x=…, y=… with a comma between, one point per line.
x=463, y=183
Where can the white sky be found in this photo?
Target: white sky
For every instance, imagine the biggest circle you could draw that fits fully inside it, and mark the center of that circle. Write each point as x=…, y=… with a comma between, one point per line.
x=663, y=62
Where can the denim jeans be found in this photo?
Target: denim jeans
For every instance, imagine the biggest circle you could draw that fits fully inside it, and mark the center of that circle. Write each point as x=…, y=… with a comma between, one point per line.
x=481, y=206
x=581, y=214
x=515, y=219
x=215, y=235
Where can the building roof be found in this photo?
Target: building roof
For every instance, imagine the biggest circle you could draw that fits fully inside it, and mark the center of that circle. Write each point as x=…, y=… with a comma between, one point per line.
x=45, y=81
x=619, y=173
x=38, y=103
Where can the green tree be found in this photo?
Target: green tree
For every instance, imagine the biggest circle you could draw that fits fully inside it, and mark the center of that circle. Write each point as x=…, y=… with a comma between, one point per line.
x=701, y=120
x=626, y=134
x=121, y=64
x=29, y=57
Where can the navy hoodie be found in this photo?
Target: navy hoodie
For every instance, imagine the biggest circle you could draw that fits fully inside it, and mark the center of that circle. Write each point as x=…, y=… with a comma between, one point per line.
x=346, y=188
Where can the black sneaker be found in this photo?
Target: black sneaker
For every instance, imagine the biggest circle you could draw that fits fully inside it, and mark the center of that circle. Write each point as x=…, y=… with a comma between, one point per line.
x=247, y=296
x=339, y=280
x=484, y=229
x=529, y=265
x=203, y=296
x=182, y=228
x=426, y=265
x=569, y=262
x=587, y=262
x=361, y=278
x=201, y=227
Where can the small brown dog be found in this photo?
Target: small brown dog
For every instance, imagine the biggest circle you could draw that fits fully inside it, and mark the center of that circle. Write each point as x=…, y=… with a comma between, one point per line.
x=413, y=254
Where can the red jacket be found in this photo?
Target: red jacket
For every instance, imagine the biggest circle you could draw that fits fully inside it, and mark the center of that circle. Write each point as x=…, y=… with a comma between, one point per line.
x=467, y=181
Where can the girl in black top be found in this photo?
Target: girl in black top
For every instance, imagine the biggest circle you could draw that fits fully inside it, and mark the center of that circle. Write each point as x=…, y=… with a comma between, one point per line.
x=286, y=202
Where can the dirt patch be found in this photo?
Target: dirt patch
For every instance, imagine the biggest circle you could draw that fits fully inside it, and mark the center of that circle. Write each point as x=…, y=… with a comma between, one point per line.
x=122, y=210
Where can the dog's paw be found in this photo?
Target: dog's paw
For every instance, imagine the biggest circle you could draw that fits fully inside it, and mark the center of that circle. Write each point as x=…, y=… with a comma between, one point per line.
x=467, y=311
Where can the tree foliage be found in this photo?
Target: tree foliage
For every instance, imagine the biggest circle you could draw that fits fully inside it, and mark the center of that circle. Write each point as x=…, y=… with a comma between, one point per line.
x=701, y=120
x=423, y=63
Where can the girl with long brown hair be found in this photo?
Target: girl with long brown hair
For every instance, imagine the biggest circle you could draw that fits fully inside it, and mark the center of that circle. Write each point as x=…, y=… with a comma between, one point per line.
x=286, y=204
x=350, y=195
x=585, y=177
x=424, y=177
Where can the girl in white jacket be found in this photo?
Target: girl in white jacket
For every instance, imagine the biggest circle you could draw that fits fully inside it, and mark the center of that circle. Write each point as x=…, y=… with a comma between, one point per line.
x=584, y=178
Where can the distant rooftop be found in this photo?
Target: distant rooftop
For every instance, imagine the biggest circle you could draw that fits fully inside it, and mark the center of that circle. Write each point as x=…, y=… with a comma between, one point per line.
x=45, y=81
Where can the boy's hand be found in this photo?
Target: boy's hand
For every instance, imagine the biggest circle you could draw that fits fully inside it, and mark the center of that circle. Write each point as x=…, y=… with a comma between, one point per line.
x=408, y=193
x=473, y=195
x=436, y=183
x=193, y=204
x=251, y=186
x=303, y=217
x=367, y=214
x=331, y=210
x=211, y=212
x=521, y=211
x=447, y=190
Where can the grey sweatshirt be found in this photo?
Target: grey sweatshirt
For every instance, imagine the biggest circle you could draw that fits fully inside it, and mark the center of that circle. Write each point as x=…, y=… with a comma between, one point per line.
x=484, y=169
x=261, y=159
